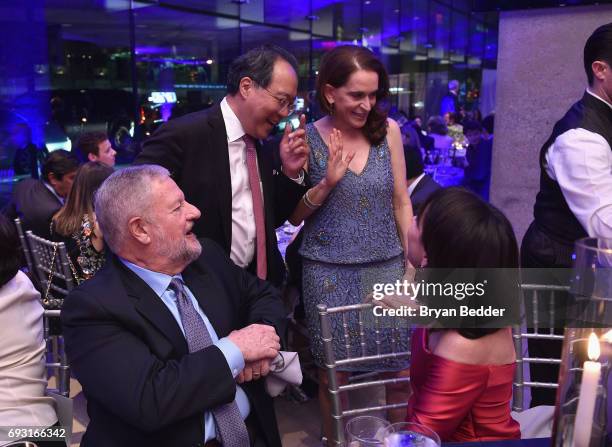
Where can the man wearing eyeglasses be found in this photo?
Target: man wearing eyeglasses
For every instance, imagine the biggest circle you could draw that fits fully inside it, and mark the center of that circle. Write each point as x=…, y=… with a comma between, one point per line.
x=217, y=159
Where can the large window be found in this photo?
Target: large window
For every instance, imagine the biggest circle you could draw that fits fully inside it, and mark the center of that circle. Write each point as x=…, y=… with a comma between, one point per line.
x=121, y=66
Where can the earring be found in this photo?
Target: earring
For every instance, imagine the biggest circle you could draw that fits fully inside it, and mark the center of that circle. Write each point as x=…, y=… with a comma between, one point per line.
x=331, y=106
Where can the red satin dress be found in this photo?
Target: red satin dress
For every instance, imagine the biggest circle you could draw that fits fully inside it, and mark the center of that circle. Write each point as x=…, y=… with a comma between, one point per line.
x=460, y=402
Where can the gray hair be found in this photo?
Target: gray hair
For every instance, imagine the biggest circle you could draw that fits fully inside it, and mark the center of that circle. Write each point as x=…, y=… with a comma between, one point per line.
x=122, y=196
x=453, y=84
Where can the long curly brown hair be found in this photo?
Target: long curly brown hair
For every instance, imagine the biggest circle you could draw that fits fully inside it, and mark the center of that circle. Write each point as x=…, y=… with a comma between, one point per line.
x=336, y=68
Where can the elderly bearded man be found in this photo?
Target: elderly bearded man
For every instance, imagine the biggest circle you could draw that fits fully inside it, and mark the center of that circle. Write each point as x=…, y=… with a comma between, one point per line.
x=170, y=338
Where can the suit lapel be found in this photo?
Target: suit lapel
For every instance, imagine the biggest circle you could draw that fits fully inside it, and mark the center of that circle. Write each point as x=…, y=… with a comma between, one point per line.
x=208, y=295
x=150, y=306
x=221, y=168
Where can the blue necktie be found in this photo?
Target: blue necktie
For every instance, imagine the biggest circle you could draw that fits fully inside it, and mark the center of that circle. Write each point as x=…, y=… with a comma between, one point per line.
x=230, y=427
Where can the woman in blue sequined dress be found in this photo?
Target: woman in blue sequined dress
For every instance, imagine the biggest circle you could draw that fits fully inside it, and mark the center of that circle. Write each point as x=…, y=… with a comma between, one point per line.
x=358, y=211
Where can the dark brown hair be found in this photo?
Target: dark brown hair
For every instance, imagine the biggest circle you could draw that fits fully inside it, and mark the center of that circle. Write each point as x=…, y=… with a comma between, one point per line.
x=88, y=144
x=454, y=221
x=10, y=252
x=462, y=231
x=336, y=68
x=80, y=200
x=598, y=47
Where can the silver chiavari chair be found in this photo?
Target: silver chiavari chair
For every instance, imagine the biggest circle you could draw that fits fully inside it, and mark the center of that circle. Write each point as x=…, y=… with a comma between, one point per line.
x=25, y=247
x=535, y=296
x=52, y=269
x=355, y=315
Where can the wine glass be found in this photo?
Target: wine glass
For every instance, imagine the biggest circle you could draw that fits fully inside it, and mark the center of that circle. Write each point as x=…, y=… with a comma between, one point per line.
x=366, y=431
x=410, y=434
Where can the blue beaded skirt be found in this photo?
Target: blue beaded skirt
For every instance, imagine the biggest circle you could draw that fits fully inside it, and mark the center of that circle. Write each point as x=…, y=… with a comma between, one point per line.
x=345, y=284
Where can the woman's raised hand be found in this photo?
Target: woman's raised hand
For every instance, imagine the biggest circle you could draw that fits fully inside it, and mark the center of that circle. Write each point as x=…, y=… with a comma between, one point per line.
x=338, y=160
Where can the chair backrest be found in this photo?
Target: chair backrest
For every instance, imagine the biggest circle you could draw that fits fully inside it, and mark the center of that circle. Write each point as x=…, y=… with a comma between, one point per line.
x=354, y=320
x=51, y=265
x=538, y=300
x=25, y=247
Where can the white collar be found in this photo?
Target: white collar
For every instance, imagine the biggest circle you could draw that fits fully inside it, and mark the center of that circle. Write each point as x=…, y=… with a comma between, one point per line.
x=57, y=196
x=233, y=126
x=414, y=184
x=598, y=97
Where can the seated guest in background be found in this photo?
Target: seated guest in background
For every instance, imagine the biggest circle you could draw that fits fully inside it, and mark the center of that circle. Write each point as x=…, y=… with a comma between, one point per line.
x=410, y=137
x=427, y=142
x=420, y=185
x=36, y=201
x=439, y=132
x=462, y=379
x=161, y=335
x=94, y=146
x=477, y=175
x=22, y=352
x=75, y=223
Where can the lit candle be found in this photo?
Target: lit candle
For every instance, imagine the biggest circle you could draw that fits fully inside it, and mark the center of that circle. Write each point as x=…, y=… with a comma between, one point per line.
x=591, y=371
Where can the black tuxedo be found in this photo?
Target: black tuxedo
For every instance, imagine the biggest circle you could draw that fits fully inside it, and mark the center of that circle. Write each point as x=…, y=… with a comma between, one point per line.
x=423, y=189
x=194, y=149
x=142, y=385
x=35, y=205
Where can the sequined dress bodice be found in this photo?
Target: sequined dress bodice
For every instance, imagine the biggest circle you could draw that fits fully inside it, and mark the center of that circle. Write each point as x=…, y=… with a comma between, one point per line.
x=356, y=223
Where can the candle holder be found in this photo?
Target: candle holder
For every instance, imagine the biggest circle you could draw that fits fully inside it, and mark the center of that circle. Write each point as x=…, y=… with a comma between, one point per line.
x=583, y=412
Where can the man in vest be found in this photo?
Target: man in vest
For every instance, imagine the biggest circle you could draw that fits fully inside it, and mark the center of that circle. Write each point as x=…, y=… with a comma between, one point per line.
x=575, y=197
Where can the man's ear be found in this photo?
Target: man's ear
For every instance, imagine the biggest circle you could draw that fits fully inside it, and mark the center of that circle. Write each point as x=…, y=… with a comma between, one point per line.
x=246, y=86
x=328, y=93
x=140, y=230
x=599, y=68
x=92, y=157
x=52, y=180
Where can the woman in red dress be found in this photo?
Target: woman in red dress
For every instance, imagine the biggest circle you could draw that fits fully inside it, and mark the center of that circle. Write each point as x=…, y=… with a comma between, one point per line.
x=462, y=379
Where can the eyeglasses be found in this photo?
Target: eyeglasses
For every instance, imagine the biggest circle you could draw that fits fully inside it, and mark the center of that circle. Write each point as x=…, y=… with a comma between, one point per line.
x=283, y=102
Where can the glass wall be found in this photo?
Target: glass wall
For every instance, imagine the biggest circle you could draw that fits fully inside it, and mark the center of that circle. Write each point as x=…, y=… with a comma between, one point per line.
x=125, y=67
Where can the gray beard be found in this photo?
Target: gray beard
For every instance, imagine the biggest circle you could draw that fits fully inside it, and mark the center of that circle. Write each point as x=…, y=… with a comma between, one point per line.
x=178, y=253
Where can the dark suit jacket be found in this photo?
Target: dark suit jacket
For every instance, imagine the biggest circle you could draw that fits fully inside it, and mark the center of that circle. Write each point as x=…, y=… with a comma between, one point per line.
x=194, y=149
x=142, y=385
x=35, y=205
x=426, y=187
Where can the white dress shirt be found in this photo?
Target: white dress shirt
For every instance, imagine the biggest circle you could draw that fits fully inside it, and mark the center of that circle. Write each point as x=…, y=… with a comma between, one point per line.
x=243, y=221
x=581, y=162
x=414, y=184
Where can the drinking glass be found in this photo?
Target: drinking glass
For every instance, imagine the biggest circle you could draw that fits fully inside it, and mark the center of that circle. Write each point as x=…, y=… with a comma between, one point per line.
x=366, y=431
x=410, y=434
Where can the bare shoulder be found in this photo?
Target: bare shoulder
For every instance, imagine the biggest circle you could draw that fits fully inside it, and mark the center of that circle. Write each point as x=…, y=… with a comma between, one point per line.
x=493, y=349
x=394, y=138
x=393, y=127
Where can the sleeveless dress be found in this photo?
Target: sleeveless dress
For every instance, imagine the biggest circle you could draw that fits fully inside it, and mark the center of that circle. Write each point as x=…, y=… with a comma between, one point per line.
x=350, y=243
x=460, y=402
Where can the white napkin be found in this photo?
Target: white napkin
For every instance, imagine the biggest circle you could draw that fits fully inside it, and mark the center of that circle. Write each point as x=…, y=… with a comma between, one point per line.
x=285, y=369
